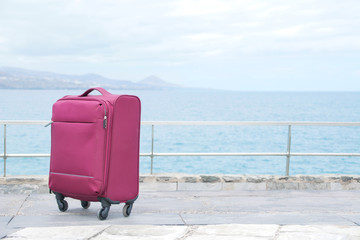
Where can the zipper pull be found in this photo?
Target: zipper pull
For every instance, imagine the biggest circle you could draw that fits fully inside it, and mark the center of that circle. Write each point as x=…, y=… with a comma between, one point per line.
x=105, y=121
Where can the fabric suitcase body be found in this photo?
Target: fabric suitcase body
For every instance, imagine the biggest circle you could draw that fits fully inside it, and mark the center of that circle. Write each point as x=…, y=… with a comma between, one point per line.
x=95, y=150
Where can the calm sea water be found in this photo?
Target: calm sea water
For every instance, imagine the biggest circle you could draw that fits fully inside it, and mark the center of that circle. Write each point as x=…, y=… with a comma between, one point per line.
x=209, y=105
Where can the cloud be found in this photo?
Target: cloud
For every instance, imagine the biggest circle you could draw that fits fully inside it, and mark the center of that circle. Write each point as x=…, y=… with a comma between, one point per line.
x=89, y=27
x=200, y=37
x=289, y=32
x=176, y=34
x=199, y=7
x=325, y=30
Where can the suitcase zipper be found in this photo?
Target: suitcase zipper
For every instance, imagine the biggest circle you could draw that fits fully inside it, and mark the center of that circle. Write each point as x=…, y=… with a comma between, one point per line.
x=105, y=123
x=105, y=170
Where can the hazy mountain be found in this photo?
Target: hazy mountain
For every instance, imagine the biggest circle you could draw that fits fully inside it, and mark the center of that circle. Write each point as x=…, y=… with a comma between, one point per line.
x=18, y=78
x=154, y=81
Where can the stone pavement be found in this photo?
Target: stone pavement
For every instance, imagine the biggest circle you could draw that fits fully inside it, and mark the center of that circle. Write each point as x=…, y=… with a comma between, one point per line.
x=240, y=214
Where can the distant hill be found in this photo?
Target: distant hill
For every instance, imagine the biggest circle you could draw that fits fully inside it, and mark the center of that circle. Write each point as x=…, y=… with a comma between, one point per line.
x=153, y=81
x=18, y=78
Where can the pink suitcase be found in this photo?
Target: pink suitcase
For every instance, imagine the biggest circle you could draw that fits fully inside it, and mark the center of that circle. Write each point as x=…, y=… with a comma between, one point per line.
x=95, y=150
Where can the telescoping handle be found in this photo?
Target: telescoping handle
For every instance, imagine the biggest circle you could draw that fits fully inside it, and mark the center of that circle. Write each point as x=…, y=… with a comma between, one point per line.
x=101, y=90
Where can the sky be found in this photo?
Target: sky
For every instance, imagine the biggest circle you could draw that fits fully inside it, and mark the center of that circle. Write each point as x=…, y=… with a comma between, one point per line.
x=242, y=45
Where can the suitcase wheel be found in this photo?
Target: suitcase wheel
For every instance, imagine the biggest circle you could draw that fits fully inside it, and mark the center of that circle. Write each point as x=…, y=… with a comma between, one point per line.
x=127, y=209
x=103, y=213
x=63, y=205
x=85, y=204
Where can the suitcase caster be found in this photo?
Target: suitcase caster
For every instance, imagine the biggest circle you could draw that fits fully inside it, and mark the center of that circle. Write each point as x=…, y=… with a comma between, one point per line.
x=103, y=213
x=85, y=204
x=63, y=205
x=127, y=209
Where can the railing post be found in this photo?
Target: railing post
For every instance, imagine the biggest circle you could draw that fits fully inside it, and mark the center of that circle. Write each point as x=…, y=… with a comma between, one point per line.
x=288, y=151
x=5, y=157
x=152, y=149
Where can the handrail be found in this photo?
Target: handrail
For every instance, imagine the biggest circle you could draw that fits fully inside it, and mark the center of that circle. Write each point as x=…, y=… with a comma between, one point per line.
x=152, y=154
x=23, y=122
x=204, y=123
x=249, y=123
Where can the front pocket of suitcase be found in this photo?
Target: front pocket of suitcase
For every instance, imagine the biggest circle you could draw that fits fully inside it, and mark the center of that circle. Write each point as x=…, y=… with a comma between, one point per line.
x=77, y=157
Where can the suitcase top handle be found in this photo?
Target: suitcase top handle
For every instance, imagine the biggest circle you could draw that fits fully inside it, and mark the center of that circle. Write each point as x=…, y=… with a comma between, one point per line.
x=101, y=90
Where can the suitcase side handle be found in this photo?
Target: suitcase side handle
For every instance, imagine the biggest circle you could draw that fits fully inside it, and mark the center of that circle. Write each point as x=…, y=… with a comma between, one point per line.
x=101, y=90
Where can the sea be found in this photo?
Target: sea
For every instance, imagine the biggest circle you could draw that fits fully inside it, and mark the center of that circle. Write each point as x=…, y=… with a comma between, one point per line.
x=206, y=105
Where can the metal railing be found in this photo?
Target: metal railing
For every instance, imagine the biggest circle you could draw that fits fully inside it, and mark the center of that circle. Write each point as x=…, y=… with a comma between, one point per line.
x=153, y=154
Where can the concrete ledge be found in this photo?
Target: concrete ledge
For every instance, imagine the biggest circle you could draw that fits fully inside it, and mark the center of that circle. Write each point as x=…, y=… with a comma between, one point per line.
x=188, y=182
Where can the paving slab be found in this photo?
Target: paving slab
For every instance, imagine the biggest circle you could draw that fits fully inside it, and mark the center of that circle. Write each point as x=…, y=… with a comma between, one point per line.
x=194, y=232
x=234, y=231
x=4, y=220
x=265, y=218
x=143, y=232
x=4, y=229
x=69, y=232
x=352, y=217
x=318, y=232
x=10, y=204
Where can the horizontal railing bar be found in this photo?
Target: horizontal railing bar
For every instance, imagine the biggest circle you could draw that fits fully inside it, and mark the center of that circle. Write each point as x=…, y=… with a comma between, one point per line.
x=252, y=154
x=211, y=154
x=209, y=123
x=24, y=122
x=26, y=155
x=327, y=154
x=250, y=123
x=218, y=154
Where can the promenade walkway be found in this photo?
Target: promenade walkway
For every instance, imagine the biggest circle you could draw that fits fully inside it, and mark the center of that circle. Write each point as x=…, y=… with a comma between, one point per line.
x=190, y=214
